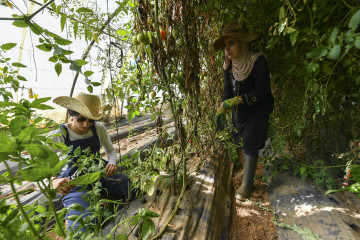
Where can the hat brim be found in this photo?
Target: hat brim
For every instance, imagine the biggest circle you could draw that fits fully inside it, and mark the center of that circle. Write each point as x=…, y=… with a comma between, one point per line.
x=76, y=105
x=243, y=37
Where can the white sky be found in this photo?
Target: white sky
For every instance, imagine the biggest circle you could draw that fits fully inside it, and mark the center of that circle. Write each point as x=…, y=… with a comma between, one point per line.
x=48, y=84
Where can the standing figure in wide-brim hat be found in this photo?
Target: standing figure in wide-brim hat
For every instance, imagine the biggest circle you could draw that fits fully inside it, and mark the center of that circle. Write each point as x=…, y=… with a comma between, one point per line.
x=247, y=93
x=83, y=131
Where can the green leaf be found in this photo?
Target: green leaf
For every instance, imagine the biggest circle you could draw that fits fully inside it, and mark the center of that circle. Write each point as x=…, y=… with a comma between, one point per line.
x=122, y=237
x=303, y=173
x=317, y=52
x=131, y=115
x=66, y=52
x=90, y=88
x=77, y=207
x=7, y=145
x=44, y=47
x=315, y=87
x=37, y=150
x=337, y=190
x=58, y=9
x=84, y=10
x=334, y=53
x=76, y=27
x=148, y=227
x=62, y=41
x=63, y=21
x=20, y=23
x=21, y=78
x=88, y=73
x=150, y=214
x=281, y=13
x=53, y=59
x=58, y=68
x=85, y=179
x=122, y=32
x=15, y=64
x=282, y=25
x=95, y=84
x=81, y=62
x=8, y=46
x=149, y=187
x=357, y=43
x=355, y=172
x=58, y=50
x=153, y=117
x=354, y=21
x=27, y=133
x=75, y=66
x=17, y=124
x=35, y=28
x=35, y=173
x=333, y=35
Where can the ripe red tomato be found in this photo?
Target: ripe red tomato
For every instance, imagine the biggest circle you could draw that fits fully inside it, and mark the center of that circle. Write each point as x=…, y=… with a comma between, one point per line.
x=163, y=35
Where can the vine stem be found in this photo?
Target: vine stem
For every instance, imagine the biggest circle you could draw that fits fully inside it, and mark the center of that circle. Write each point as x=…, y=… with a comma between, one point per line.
x=311, y=19
x=177, y=203
x=52, y=207
x=31, y=226
x=314, y=167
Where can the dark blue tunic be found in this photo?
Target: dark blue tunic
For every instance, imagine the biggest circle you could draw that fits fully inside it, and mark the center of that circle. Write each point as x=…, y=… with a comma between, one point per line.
x=251, y=118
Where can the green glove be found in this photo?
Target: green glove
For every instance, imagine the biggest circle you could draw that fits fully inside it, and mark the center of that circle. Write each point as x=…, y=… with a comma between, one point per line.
x=220, y=119
x=229, y=103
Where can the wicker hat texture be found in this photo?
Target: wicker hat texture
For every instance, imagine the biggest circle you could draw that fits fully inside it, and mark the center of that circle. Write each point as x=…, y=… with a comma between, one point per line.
x=87, y=105
x=233, y=30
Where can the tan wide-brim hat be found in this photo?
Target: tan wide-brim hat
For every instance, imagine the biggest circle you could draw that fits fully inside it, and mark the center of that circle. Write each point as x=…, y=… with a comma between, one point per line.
x=240, y=33
x=87, y=105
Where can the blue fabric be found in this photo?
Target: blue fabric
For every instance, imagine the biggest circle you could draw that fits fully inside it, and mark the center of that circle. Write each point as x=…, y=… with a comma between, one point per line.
x=251, y=152
x=115, y=187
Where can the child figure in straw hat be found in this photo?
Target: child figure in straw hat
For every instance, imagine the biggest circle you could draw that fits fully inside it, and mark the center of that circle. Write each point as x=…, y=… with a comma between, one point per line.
x=247, y=93
x=83, y=131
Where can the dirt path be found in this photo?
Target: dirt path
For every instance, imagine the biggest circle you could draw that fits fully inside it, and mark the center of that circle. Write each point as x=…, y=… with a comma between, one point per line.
x=252, y=219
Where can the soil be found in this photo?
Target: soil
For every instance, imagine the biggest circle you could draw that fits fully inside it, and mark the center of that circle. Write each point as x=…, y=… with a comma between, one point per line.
x=252, y=219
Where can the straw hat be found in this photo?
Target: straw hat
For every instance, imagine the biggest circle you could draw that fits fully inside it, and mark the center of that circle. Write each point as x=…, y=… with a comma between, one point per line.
x=87, y=105
x=240, y=33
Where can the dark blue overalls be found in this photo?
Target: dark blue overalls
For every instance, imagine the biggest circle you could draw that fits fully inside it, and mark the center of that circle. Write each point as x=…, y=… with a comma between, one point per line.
x=116, y=186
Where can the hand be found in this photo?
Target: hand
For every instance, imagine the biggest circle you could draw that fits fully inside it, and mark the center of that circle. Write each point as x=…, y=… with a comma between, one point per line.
x=110, y=169
x=59, y=183
x=229, y=103
x=220, y=119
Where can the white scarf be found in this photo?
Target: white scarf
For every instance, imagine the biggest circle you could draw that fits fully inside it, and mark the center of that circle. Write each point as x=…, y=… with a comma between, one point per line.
x=242, y=64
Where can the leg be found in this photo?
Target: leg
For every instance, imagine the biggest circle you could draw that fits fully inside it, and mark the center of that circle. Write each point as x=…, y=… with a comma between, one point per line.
x=247, y=184
x=116, y=187
x=240, y=174
x=76, y=197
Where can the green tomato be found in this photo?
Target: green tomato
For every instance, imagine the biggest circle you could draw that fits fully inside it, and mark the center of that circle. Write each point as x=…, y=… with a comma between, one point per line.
x=165, y=135
x=135, y=41
x=175, y=33
x=143, y=38
x=181, y=74
x=180, y=42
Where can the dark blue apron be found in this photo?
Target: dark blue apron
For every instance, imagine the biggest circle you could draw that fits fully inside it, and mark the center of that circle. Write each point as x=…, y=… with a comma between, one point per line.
x=92, y=142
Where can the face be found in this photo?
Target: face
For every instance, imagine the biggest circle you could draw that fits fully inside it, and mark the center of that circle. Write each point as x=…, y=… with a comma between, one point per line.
x=81, y=124
x=233, y=48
